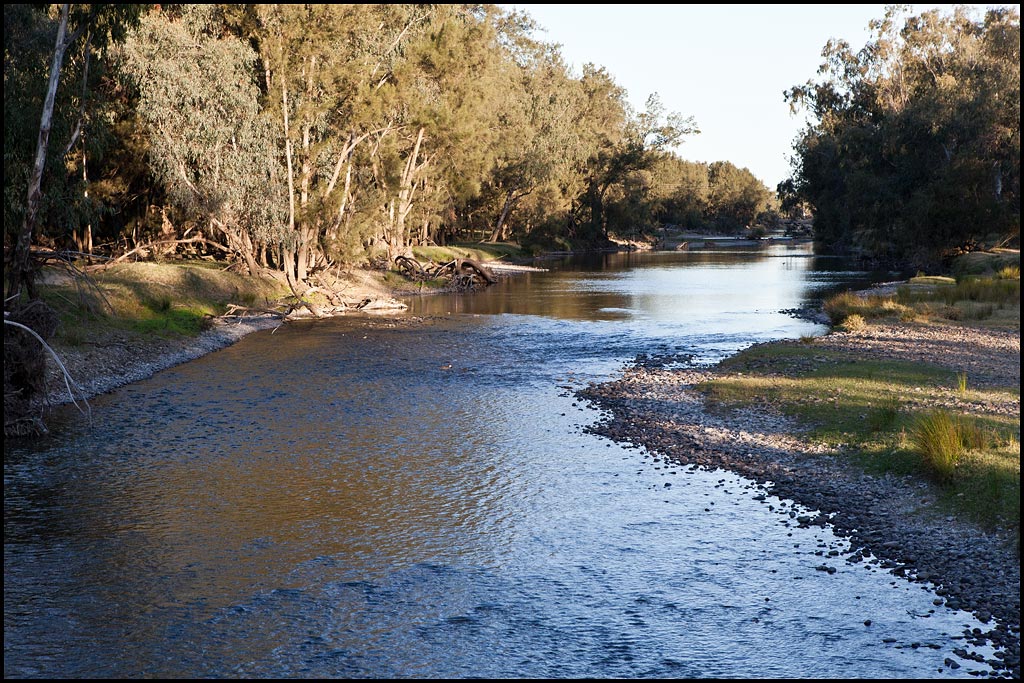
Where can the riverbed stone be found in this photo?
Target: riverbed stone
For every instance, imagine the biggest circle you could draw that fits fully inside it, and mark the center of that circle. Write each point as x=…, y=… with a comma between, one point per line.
x=978, y=570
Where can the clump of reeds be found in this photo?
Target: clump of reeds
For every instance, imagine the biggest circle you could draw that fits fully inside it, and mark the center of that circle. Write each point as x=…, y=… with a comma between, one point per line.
x=853, y=323
x=961, y=383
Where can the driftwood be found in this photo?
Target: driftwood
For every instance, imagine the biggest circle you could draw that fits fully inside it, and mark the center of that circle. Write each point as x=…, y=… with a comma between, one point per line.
x=463, y=271
x=412, y=267
x=157, y=243
x=238, y=311
x=460, y=265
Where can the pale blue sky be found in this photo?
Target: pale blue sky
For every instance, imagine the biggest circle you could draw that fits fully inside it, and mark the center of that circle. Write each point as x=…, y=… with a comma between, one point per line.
x=725, y=65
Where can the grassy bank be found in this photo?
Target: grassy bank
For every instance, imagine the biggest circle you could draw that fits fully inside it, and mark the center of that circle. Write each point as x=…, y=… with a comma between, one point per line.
x=928, y=420
x=138, y=300
x=178, y=298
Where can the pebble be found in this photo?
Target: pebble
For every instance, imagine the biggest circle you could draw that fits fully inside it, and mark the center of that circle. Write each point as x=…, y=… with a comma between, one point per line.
x=976, y=570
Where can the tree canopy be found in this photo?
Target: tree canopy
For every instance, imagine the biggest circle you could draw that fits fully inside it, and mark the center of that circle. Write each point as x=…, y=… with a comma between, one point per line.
x=914, y=152
x=295, y=137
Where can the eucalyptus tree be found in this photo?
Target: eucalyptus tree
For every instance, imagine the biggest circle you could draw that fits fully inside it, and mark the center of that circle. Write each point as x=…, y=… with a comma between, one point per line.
x=915, y=147
x=735, y=196
x=682, y=191
x=623, y=142
x=38, y=87
x=451, y=88
x=209, y=145
x=341, y=85
x=538, y=144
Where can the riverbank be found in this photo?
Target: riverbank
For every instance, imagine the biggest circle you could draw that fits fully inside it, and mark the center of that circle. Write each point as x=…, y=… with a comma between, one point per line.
x=104, y=358
x=890, y=520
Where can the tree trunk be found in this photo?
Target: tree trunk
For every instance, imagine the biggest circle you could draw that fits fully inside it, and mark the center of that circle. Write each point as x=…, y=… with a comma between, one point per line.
x=499, y=227
x=288, y=255
x=400, y=208
x=20, y=271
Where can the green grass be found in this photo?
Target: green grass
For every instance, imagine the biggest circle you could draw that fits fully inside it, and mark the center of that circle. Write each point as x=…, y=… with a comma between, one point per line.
x=992, y=299
x=961, y=383
x=878, y=410
x=147, y=299
x=478, y=251
x=846, y=304
x=939, y=439
x=987, y=262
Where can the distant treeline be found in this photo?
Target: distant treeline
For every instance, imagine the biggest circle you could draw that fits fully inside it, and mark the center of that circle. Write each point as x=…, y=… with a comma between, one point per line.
x=914, y=154
x=294, y=136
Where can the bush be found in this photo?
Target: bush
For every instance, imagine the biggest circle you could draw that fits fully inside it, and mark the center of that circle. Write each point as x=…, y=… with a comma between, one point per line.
x=1009, y=273
x=942, y=440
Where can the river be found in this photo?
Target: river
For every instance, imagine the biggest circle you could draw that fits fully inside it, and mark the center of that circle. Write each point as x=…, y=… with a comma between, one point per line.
x=419, y=497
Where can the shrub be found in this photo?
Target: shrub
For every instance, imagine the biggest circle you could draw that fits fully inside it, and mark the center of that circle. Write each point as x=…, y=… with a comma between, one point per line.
x=841, y=305
x=1009, y=273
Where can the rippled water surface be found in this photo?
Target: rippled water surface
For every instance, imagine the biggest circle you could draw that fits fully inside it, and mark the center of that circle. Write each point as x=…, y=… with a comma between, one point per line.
x=338, y=499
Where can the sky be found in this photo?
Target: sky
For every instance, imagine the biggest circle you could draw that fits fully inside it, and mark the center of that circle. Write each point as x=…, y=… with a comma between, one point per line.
x=727, y=66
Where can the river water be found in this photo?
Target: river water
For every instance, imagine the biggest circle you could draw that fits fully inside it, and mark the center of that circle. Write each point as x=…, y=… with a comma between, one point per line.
x=420, y=497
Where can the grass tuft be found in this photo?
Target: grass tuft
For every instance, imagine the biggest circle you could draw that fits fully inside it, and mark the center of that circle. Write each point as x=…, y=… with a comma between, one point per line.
x=853, y=323
x=938, y=440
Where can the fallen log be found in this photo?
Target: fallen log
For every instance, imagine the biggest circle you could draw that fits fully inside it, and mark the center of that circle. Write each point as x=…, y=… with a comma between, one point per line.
x=459, y=267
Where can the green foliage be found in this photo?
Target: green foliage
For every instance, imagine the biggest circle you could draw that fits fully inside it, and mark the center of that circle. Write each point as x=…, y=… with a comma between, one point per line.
x=915, y=150
x=301, y=136
x=82, y=129
x=937, y=439
x=208, y=143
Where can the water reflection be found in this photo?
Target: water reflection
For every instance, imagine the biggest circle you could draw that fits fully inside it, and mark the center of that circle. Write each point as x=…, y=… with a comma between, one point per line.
x=350, y=499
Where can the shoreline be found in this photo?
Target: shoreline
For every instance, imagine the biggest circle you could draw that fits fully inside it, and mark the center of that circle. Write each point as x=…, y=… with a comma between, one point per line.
x=656, y=407
x=97, y=368
x=888, y=520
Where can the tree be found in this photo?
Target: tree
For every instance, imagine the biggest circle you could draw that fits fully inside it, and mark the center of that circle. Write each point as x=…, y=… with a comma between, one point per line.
x=736, y=197
x=915, y=151
x=79, y=29
x=623, y=142
x=209, y=145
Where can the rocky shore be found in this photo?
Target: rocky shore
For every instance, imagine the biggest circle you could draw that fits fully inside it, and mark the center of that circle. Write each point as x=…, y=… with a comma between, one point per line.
x=103, y=365
x=888, y=520
x=110, y=361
